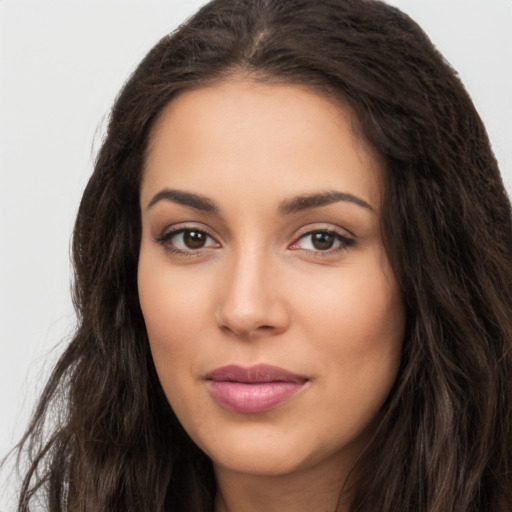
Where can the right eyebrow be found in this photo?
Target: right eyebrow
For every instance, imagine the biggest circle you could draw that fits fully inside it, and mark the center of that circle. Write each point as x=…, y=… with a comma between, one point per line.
x=184, y=198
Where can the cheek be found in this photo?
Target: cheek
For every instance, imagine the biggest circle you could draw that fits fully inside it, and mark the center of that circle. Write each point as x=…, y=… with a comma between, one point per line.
x=174, y=305
x=357, y=323
x=359, y=308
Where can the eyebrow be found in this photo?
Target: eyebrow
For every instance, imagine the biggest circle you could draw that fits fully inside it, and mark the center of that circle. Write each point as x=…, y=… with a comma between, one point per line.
x=287, y=207
x=186, y=199
x=304, y=202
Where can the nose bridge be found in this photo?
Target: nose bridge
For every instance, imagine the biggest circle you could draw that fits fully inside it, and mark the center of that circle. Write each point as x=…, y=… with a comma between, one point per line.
x=250, y=300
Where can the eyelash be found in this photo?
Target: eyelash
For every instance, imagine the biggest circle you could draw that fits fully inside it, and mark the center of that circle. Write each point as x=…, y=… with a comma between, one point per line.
x=164, y=239
x=345, y=242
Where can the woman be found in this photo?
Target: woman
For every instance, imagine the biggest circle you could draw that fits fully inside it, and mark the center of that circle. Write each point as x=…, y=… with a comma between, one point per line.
x=293, y=279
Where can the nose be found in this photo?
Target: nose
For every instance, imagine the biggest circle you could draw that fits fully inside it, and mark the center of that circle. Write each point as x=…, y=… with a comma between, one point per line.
x=252, y=299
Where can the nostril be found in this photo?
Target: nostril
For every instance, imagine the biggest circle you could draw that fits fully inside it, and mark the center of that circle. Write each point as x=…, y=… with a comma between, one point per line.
x=246, y=327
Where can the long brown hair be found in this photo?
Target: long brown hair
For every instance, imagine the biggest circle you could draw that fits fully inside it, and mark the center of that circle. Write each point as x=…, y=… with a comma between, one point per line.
x=103, y=437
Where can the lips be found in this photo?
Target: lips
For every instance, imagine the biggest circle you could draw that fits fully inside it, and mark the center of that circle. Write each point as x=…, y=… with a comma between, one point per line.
x=255, y=389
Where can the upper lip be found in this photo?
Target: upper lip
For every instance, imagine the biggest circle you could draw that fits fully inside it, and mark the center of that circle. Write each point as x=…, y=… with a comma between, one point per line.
x=254, y=374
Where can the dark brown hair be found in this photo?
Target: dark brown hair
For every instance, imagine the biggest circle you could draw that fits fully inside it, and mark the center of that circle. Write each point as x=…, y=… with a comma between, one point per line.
x=104, y=438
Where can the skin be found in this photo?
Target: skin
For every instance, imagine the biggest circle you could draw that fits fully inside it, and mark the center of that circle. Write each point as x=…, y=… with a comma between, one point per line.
x=260, y=291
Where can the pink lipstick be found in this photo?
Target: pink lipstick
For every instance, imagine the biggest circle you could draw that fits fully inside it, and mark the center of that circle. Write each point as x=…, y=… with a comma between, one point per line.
x=255, y=389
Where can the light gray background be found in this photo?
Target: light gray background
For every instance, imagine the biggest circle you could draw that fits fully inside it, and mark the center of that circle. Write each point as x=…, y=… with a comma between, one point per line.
x=61, y=65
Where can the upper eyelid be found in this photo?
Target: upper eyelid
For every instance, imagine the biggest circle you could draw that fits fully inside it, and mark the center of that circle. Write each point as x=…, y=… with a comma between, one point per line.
x=316, y=227
x=329, y=231
x=181, y=227
x=173, y=232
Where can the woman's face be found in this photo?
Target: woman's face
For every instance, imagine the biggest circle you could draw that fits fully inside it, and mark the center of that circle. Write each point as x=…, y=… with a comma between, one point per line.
x=274, y=317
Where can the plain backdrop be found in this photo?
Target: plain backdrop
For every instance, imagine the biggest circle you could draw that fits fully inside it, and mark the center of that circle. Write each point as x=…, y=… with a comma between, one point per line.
x=61, y=65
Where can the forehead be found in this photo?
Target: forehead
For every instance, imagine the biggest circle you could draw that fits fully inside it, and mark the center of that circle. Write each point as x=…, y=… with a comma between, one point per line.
x=240, y=132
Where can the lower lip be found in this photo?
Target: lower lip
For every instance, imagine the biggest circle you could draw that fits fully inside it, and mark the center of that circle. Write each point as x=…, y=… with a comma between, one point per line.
x=252, y=398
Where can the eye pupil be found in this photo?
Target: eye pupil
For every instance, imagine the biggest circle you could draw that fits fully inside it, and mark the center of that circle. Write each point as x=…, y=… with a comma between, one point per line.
x=323, y=241
x=194, y=239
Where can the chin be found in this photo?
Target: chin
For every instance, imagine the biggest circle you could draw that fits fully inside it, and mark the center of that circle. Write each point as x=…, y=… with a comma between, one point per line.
x=258, y=450
x=259, y=462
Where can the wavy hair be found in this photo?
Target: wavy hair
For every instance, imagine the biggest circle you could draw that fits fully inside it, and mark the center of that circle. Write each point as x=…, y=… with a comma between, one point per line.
x=103, y=437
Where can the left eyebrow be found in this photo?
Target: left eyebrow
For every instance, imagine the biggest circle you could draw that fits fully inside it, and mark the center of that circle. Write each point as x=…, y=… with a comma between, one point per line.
x=307, y=201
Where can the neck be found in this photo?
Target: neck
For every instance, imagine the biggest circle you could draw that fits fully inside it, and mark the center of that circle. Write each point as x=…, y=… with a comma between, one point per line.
x=300, y=491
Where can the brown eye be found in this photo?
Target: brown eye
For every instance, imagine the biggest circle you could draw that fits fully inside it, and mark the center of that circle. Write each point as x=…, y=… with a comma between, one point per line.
x=194, y=239
x=322, y=241
x=187, y=240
